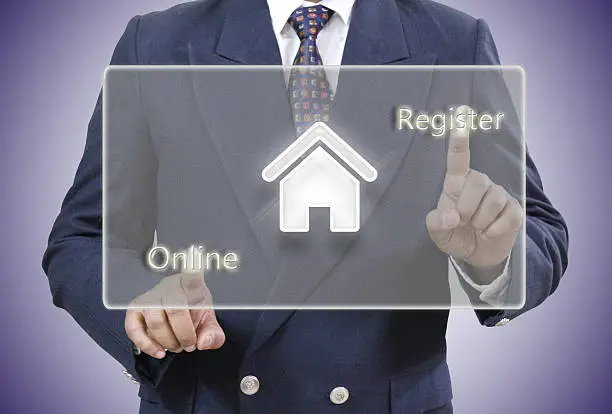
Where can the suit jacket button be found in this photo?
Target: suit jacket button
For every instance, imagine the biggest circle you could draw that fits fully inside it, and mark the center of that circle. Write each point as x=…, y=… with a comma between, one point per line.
x=249, y=385
x=503, y=322
x=130, y=377
x=339, y=395
x=136, y=350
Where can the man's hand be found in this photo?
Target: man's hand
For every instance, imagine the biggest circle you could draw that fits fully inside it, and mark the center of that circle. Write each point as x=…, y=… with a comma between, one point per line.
x=476, y=220
x=177, y=316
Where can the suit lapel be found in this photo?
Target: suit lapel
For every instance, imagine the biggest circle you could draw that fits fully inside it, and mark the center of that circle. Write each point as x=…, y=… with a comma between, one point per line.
x=247, y=36
x=265, y=125
x=378, y=36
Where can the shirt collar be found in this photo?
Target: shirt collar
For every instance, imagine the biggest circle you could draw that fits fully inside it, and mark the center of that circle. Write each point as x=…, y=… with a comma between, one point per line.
x=280, y=10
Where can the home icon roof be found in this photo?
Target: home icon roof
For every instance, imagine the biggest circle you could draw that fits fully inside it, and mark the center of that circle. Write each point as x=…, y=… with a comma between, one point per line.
x=319, y=132
x=319, y=180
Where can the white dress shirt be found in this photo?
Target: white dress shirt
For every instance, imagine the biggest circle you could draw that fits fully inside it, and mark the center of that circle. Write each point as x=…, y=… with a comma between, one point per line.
x=330, y=43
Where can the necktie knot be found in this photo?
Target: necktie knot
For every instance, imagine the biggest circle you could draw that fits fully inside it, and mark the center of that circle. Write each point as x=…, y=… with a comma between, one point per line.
x=308, y=21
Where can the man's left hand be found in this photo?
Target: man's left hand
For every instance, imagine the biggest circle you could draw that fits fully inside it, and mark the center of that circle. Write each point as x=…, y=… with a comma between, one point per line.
x=476, y=221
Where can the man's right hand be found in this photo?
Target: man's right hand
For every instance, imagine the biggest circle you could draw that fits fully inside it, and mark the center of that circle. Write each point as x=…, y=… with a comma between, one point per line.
x=176, y=315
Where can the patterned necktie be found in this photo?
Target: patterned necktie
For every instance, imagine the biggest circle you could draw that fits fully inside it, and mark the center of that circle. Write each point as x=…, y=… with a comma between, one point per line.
x=309, y=91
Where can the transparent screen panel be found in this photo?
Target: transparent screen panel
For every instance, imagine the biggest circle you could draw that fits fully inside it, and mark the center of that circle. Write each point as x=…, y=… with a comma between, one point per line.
x=277, y=187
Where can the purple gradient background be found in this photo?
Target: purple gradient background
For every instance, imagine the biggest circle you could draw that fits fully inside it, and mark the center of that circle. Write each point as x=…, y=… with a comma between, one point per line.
x=556, y=359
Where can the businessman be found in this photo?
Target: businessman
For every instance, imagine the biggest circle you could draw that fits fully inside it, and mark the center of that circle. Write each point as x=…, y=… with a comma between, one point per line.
x=202, y=361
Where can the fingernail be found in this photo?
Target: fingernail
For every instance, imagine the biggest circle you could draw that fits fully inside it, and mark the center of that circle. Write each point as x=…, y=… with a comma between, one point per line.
x=160, y=354
x=208, y=341
x=190, y=348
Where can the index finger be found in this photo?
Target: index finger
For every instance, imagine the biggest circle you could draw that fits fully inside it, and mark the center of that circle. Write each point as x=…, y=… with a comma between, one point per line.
x=458, y=156
x=196, y=292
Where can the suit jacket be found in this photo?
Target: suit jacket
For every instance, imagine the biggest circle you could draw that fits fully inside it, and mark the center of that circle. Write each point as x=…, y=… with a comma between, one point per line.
x=391, y=361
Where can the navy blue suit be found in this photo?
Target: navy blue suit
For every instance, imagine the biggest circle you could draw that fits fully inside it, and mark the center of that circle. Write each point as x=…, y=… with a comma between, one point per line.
x=391, y=361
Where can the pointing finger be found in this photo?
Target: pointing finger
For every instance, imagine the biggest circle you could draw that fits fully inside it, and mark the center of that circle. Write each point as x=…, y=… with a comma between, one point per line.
x=458, y=156
x=194, y=287
x=471, y=198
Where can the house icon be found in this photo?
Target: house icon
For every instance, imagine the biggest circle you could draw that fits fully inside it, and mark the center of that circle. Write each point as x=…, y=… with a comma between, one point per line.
x=319, y=180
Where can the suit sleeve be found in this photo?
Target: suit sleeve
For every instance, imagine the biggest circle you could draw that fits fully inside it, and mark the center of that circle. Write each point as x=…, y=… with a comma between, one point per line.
x=73, y=259
x=546, y=238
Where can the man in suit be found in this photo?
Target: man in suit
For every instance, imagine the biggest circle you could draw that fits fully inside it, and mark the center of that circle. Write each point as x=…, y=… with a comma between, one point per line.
x=307, y=361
